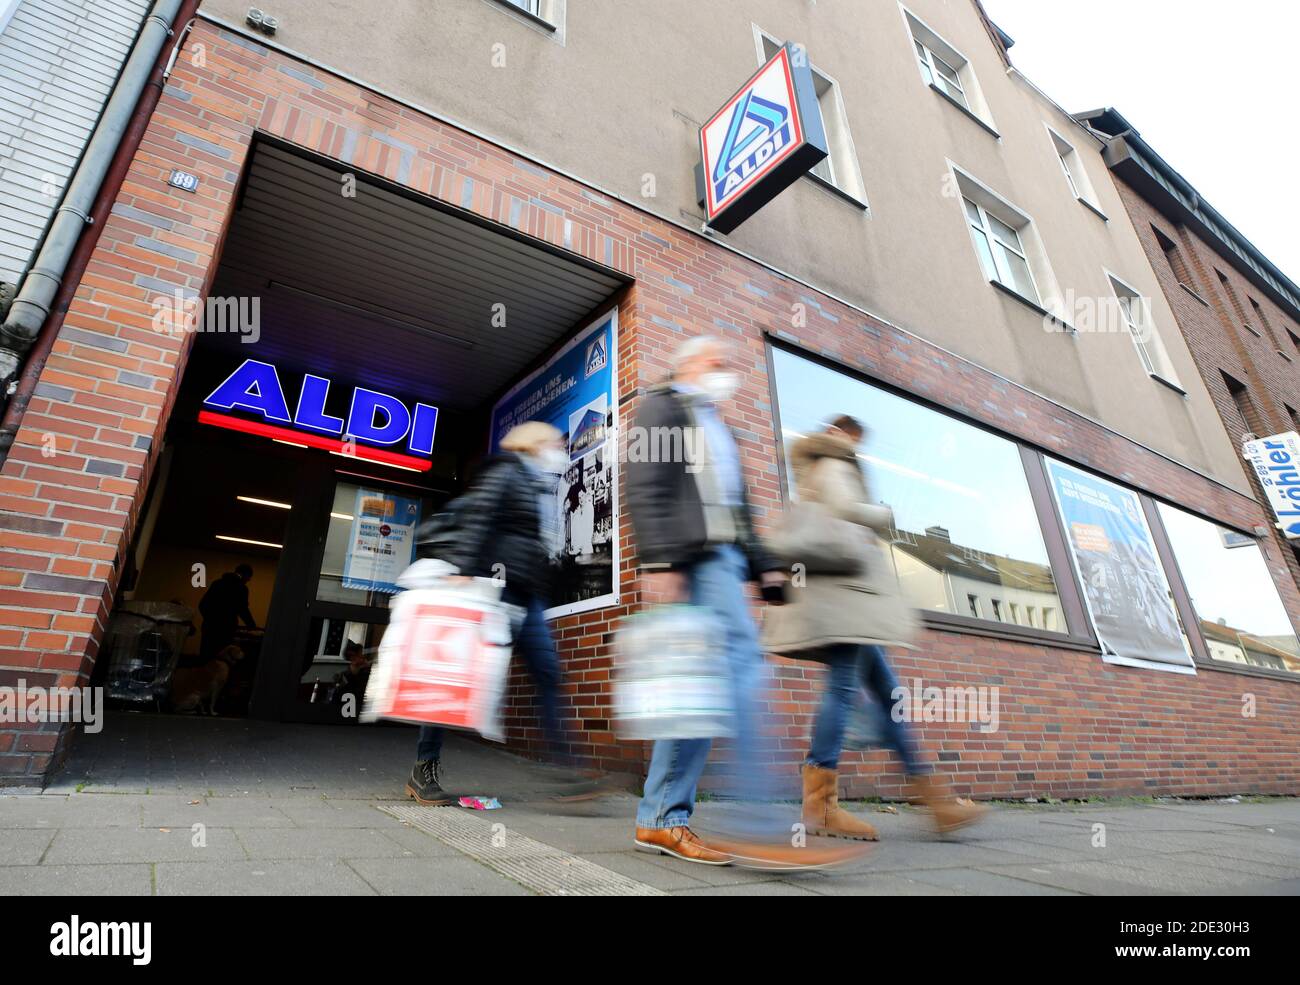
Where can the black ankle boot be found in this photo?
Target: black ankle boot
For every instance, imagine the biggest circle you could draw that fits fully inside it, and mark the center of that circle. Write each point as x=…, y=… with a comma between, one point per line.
x=424, y=787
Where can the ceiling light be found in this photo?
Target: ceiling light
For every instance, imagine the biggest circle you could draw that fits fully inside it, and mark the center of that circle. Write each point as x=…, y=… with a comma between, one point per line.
x=291, y=444
x=245, y=540
x=265, y=502
x=341, y=516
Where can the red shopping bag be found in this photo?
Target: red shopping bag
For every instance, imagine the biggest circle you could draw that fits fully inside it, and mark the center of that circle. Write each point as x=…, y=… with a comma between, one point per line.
x=444, y=660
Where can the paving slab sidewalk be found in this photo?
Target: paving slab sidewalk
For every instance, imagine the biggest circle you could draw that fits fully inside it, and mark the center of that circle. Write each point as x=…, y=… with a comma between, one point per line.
x=174, y=806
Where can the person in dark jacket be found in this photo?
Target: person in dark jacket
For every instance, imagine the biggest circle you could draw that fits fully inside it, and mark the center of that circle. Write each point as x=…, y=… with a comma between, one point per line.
x=223, y=605
x=696, y=542
x=501, y=525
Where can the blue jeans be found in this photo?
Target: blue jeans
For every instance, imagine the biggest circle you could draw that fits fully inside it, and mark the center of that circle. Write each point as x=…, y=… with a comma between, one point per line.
x=717, y=582
x=854, y=665
x=533, y=642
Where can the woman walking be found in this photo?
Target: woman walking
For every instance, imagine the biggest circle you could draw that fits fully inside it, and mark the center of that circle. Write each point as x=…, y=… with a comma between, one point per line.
x=502, y=526
x=848, y=609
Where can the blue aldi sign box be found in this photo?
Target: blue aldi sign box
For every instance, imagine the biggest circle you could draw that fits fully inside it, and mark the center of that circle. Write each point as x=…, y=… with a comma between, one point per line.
x=764, y=138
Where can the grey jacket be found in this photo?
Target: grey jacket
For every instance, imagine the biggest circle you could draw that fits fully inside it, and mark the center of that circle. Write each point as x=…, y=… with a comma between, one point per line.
x=822, y=610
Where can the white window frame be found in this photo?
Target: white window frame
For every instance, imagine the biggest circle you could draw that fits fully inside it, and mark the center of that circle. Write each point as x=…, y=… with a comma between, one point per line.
x=1152, y=353
x=993, y=239
x=1032, y=249
x=545, y=16
x=1076, y=175
x=7, y=10
x=840, y=169
x=932, y=46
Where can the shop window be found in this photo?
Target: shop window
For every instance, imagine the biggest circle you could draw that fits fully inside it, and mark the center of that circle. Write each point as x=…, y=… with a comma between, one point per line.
x=1236, y=602
x=1136, y=319
x=1076, y=178
x=840, y=168
x=965, y=539
x=947, y=71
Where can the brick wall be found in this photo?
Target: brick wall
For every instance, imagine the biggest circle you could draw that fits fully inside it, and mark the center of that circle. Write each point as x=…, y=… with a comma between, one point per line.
x=1225, y=335
x=1070, y=724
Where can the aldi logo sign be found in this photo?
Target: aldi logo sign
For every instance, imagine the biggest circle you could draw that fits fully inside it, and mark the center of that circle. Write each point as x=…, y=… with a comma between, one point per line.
x=766, y=136
x=1276, y=460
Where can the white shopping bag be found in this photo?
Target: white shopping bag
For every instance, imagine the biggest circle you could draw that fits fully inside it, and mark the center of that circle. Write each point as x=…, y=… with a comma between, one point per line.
x=445, y=657
x=670, y=676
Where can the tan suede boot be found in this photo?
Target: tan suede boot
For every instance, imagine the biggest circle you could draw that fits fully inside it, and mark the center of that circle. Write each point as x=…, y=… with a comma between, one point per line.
x=948, y=813
x=822, y=814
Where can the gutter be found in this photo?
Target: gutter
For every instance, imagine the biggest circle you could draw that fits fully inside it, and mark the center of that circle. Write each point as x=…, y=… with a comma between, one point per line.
x=38, y=309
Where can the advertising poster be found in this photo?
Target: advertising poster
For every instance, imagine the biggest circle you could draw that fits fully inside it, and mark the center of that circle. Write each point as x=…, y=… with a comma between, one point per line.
x=575, y=392
x=1276, y=461
x=382, y=542
x=1123, y=582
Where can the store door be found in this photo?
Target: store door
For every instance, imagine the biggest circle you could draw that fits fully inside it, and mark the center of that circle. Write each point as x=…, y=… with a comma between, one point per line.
x=357, y=536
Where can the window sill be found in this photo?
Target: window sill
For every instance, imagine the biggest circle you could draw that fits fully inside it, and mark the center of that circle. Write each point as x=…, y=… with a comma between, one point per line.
x=1246, y=670
x=1032, y=305
x=969, y=112
x=528, y=15
x=1285, y=356
x=837, y=191
x=1193, y=294
x=1169, y=383
x=947, y=622
x=1251, y=331
x=1092, y=208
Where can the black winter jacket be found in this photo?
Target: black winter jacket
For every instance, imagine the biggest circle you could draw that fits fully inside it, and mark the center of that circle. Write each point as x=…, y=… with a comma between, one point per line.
x=664, y=500
x=497, y=523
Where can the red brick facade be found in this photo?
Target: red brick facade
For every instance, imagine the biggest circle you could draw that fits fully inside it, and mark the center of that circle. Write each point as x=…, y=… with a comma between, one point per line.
x=1070, y=724
x=1258, y=347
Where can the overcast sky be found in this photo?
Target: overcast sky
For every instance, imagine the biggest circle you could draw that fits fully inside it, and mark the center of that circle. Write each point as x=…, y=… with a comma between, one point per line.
x=1212, y=85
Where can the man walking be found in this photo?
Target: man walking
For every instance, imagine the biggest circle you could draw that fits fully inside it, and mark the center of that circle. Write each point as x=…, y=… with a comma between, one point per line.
x=696, y=542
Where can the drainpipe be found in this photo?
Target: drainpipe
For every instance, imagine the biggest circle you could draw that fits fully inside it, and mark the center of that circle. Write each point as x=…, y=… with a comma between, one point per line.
x=38, y=310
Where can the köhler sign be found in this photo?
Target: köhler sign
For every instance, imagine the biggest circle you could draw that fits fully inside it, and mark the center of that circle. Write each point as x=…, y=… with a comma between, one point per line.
x=764, y=138
x=1276, y=460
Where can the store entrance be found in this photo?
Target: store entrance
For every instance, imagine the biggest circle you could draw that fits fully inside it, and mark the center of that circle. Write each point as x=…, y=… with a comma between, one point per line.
x=339, y=391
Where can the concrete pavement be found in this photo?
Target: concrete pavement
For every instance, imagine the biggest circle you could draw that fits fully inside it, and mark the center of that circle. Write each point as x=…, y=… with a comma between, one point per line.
x=184, y=806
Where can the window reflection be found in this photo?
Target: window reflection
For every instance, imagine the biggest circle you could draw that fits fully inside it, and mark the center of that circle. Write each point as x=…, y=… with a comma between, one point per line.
x=966, y=538
x=1238, y=606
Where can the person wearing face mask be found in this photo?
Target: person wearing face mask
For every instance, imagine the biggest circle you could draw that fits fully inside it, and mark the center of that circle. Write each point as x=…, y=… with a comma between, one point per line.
x=696, y=542
x=505, y=525
x=844, y=617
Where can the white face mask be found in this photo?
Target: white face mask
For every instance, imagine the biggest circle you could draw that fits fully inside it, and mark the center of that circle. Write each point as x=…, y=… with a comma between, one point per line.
x=719, y=386
x=551, y=460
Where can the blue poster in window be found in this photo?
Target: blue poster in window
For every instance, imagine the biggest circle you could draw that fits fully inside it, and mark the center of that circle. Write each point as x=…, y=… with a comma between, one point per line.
x=575, y=391
x=1120, y=574
x=381, y=543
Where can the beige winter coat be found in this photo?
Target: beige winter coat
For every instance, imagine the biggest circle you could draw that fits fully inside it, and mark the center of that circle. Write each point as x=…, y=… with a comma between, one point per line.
x=866, y=607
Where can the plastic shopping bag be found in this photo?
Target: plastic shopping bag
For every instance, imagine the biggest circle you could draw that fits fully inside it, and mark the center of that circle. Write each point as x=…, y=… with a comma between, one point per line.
x=866, y=725
x=670, y=676
x=444, y=658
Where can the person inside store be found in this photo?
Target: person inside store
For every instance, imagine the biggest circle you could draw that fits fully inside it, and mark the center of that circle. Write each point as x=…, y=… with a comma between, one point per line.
x=845, y=610
x=223, y=606
x=352, y=682
x=500, y=529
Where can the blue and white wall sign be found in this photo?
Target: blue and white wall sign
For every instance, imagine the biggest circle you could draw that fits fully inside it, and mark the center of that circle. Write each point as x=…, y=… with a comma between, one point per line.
x=575, y=392
x=1276, y=461
x=766, y=136
x=381, y=543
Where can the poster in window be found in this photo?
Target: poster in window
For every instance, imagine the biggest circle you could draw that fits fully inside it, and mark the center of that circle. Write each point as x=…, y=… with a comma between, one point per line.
x=575, y=392
x=381, y=543
x=1120, y=574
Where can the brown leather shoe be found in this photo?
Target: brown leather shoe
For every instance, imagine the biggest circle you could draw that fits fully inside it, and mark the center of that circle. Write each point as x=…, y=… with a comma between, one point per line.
x=947, y=811
x=822, y=813
x=783, y=857
x=682, y=843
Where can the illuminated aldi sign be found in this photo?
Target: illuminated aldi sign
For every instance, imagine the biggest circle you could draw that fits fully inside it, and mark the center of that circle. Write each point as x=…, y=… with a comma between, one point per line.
x=370, y=425
x=1276, y=460
x=765, y=137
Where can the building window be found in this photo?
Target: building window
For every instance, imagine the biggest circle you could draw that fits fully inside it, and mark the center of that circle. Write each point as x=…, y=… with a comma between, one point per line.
x=1001, y=253
x=1254, y=424
x=1174, y=257
x=1236, y=602
x=1076, y=177
x=1135, y=316
x=946, y=70
x=840, y=168
x=965, y=536
x=546, y=15
x=1262, y=319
